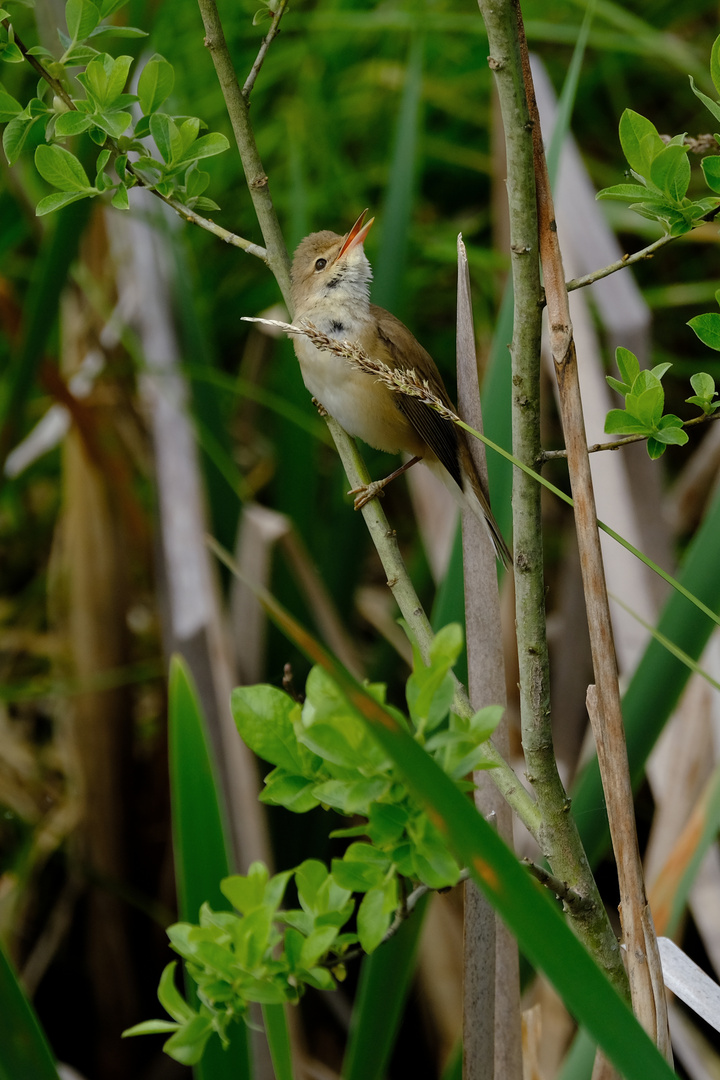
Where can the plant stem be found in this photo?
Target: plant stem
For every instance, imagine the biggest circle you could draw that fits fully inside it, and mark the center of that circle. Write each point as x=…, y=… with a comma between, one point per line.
x=239, y=112
x=560, y=842
x=626, y=260
x=605, y=713
x=552, y=455
x=259, y=59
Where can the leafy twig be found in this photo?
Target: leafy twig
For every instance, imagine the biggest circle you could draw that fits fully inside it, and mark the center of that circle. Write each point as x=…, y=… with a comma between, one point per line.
x=626, y=260
x=267, y=41
x=183, y=211
x=552, y=455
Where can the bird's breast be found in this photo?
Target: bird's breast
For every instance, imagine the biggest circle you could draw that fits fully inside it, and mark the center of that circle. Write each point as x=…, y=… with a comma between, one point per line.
x=361, y=405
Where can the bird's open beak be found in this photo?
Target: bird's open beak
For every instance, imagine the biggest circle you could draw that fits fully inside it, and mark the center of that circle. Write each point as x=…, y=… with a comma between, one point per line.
x=356, y=235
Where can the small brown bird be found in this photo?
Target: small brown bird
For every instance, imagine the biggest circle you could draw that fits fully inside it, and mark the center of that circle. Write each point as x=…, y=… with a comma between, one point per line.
x=330, y=288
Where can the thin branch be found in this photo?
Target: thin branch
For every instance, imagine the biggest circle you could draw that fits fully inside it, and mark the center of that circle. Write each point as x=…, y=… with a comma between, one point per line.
x=551, y=455
x=562, y=890
x=183, y=211
x=259, y=59
x=626, y=260
x=604, y=701
x=277, y=257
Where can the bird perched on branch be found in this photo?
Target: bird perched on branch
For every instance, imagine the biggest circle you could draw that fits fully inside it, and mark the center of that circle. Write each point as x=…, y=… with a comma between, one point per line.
x=330, y=289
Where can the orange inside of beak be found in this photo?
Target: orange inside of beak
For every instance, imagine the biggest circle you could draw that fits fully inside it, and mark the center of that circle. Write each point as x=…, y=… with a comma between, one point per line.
x=356, y=235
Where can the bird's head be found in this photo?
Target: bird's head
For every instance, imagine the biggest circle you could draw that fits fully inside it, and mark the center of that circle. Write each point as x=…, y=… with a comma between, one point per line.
x=328, y=267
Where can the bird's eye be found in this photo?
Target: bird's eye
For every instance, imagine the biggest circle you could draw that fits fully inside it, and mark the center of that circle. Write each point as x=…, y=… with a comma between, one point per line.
x=320, y=264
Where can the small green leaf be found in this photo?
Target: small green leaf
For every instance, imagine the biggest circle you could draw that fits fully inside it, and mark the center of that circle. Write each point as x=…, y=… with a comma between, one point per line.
x=170, y=997
x=373, y=918
x=10, y=53
x=707, y=328
x=623, y=192
x=711, y=171
x=108, y=7
x=80, y=54
x=72, y=123
x=659, y=370
x=9, y=107
x=113, y=123
x=201, y=203
x=150, y=1027
x=155, y=84
x=61, y=168
x=703, y=385
x=618, y=422
x=628, y=365
x=188, y=1044
x=58, y=199
x=117, y=77
x=113, y=30
x=670, y=170
x=710, y=105
x=120, y=199
x=206, y=146
x=715, y=64
x=621, y=387
x=640, y=141
x=82, y=16
x=655, y=448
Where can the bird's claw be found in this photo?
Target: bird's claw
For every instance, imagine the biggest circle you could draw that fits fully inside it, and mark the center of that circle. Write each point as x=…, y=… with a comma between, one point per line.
x=322, y=411
x=367, y=492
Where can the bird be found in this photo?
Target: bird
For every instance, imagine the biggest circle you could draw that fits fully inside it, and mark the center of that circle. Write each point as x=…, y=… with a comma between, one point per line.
x=330, y=280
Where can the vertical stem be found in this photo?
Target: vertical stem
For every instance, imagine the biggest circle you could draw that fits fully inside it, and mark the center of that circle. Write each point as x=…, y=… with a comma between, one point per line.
x=239, y=112
x=603, y=701
x=559, y=837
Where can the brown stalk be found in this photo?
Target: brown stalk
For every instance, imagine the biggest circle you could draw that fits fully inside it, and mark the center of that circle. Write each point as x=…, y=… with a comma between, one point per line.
x=603, y=699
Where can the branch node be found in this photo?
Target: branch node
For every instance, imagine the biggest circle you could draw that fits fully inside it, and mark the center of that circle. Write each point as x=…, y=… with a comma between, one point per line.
x=495, y=65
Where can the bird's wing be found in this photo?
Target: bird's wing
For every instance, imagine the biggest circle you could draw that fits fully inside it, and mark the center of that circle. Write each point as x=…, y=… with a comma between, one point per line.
x=397, y=344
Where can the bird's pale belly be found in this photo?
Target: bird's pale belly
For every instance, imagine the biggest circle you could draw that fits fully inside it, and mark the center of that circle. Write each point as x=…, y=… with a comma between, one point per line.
x=360, y=405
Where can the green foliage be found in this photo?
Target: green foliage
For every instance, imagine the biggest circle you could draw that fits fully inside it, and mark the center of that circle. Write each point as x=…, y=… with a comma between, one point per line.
x=104, y=113
x=644, y=402
x=662, y=168
x=645, y=397
x=324, y=754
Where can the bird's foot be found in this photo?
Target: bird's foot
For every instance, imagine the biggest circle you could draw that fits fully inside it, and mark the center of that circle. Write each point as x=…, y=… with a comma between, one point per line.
x=322, y=411
x=367, y=492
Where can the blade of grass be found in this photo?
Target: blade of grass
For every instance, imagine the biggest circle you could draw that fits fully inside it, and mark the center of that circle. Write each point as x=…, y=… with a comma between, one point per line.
x=200, y=845
x=24, y=1051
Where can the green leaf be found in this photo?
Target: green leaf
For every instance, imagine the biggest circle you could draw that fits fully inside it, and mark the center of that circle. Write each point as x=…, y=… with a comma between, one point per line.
x=206, y=146
x=113, y=30
x=120, y=199
x=108, y=7
x=715, y=64
x=618, y=422
x=82, y=17
x=25, y=1052
x=621, y=387
x=374, y=917
x=265, y=718
x=170, y=997
x=645, y=401
x=155, y=84
x=61, y=168
x=660, y=369
x=166, y=135
x=10, y=53
x=291, y=791
x=711, y=171
x=710, y=105
x=201, y=203
x=117, y=77
x=187, y=1044
x=72, y=123
x=640, y=141
x=9, y=107
x=670, y=170
x=80, y=54
x=150, y=1027
x=58, y=199
x=703, y=385
x=113, y=124
x=247, y=892
x=655, y=448
x=628, y=365
x=623, y=192
x=15, y=135
x=707, y=328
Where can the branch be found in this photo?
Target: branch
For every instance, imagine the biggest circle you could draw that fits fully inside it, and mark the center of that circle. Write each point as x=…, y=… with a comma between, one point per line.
x=551, y=455
x=259, y=59
x=183, y=211
x=626, y=260
x=572, y=900
x=277, y=257
x=604, y=703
